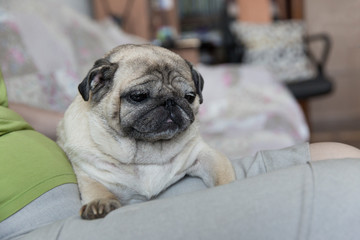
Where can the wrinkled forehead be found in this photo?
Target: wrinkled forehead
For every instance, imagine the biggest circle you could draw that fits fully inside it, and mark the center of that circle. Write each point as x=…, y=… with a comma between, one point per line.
x=147, y=56
x=142, y=60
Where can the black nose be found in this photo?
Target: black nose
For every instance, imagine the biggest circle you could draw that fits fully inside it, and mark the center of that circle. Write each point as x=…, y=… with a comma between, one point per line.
x=169, y=103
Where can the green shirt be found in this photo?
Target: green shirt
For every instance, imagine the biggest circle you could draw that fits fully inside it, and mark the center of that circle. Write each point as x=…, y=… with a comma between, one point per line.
x=30, y=163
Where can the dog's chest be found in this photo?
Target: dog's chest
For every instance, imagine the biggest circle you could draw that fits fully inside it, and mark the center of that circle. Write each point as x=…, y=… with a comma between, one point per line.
x=140, y=182
x=151, y=180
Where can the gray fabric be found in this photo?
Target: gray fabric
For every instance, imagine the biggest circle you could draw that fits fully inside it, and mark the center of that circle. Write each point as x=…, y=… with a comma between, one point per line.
x=244, y=167
x=59, y=203
x=336, y=200
x=317, y=200
x=271, y=160
x=262, y=162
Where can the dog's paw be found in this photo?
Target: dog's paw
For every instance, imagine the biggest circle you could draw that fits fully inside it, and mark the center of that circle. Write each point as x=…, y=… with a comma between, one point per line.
x=99, y=208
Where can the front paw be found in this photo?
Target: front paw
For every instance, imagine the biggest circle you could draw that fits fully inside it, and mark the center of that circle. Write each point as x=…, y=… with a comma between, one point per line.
x=99, y=208
x=225, y=178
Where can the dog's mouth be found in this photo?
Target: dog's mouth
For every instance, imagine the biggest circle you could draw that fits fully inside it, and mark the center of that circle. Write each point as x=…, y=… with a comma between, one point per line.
x=161, y=124
x=157, y=121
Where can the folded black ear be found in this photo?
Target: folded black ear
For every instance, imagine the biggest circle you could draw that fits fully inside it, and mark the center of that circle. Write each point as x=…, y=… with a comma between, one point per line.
x=198, y=80
x=99, y=79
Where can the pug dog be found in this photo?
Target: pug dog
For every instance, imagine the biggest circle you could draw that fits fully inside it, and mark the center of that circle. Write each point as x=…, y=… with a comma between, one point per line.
x=133, y=130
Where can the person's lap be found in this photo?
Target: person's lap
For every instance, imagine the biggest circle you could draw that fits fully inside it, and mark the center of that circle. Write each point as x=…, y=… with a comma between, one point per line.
x=315, y=200
x=57, y=204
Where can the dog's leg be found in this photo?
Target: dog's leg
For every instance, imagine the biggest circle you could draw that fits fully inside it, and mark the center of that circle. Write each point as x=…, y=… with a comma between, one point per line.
x=98, y=200
x=213, y=167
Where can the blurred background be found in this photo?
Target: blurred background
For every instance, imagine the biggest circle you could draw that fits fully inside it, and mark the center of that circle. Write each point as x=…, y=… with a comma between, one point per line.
x=332, y=117
x=310, y=47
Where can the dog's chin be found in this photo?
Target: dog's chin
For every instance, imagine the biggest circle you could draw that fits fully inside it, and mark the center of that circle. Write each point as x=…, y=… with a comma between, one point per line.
x=156, y=136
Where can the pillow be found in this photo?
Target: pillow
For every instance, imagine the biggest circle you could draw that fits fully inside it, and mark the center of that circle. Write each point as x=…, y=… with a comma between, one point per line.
x=14, y=58
x=47, y=48
x=277, y=46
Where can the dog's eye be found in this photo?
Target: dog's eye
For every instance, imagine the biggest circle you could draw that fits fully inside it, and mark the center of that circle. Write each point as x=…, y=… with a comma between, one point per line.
x=138, y=96
x=190, y=97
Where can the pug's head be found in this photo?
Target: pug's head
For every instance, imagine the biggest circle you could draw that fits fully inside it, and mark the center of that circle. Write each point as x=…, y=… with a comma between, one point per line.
x=143, y=92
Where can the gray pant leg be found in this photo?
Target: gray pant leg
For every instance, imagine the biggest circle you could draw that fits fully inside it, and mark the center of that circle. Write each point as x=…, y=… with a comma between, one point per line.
x=56, y=204
x=310, y=201
x=262, y=162
x=60, y=202
x=336, y=200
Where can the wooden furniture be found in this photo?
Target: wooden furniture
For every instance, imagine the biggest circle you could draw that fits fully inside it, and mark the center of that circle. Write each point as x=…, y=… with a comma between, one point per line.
x=140, y=18
x=136, y=22
x=188, y=49
x=261, y=11
x=257, y=11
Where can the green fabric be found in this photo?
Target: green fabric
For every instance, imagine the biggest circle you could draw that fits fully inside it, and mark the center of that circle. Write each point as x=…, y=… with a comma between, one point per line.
x=3, y=96
x=30, y=163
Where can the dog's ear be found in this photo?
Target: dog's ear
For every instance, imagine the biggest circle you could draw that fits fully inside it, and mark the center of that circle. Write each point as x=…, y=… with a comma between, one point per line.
x=198, y=80
x=99, y=76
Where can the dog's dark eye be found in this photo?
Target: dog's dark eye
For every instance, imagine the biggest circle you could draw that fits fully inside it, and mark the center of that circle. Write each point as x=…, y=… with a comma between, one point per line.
x=190, y=97
x=138, y=96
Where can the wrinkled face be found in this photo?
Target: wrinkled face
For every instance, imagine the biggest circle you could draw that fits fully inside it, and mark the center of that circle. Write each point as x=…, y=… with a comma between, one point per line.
x=154, y=94
x=158, y=106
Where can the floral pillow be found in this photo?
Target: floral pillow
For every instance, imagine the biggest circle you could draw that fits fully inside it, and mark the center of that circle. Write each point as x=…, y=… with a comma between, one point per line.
x=47, y=48
x=14, y=59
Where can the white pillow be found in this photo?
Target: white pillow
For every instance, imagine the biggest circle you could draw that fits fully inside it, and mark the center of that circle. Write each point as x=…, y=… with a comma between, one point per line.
x=277, y=46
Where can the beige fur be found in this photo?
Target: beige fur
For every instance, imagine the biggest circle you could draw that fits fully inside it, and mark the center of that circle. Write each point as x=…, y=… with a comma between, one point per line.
x=114, y=169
